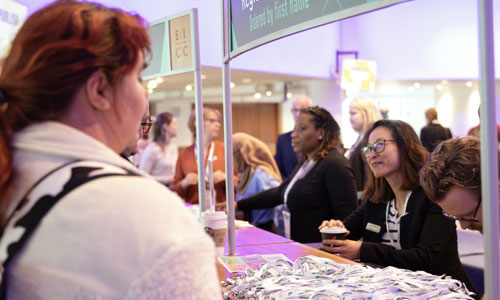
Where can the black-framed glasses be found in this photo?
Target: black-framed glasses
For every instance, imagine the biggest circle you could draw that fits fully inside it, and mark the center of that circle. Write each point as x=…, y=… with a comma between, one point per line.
x=465, y=219
x=377, y=147
x=146, y=124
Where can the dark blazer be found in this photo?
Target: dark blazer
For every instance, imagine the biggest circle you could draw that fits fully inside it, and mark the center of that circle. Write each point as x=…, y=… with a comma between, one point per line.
x=428, y=239
x=327, y=192
x=285, y=157
x=359, y=166
x=433, y=134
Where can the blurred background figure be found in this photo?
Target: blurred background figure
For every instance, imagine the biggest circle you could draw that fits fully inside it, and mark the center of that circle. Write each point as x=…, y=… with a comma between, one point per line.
x=160, y=156
x=475, y=131
x=362, y=114
x=384, y=113
x=323, y=185
x=186, y=178
x=433, y=133
x=257, y=172
x=285, y=157
x=130, y=151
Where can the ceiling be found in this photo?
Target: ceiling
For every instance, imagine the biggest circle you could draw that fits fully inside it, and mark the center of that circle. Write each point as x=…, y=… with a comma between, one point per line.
x=246, y=84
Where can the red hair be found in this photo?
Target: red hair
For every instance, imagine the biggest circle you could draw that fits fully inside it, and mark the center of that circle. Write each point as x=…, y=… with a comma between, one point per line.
x=54, y=53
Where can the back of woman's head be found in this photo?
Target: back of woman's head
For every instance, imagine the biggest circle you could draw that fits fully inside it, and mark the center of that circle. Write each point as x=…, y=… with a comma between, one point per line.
x=323, y=119
x=368, y=109
x=412, y=156
x=54, y=53
x=161, y=119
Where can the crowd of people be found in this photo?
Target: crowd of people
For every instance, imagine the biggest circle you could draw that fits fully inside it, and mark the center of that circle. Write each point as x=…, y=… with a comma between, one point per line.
x=72, y=102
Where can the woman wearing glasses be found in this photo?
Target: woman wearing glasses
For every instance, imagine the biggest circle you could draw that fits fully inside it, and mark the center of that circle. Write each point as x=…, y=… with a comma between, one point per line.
x=160, y=156
x=398, y=224
x=78, y=221
x=186, y=170
x=323, y=187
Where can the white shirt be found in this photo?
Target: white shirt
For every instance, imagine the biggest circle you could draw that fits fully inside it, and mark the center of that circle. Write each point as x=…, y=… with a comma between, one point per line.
x=160, y=164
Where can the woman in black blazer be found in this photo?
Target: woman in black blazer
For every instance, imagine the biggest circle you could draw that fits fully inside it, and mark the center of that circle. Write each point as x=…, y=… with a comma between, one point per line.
x=398, y=224
x=322, y=187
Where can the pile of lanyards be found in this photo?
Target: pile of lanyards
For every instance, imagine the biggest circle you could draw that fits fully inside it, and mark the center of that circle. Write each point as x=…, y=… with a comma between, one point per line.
x=317, y=278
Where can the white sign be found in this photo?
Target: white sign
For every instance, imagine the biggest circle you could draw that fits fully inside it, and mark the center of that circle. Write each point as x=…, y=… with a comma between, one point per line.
x=12, y=16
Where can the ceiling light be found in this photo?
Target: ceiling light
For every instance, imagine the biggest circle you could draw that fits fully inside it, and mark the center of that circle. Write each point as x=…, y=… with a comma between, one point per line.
x=231, y=85
x=258, y=95
x=289, y=95
x=439, y=87
x=416, y=85
x=189, y=87
x=159, y=80
x=444, y=82
x=150, y=91
x=203, y=76
x=246, y=80
x=152, y=84
x=269, y=93
x=468, y=84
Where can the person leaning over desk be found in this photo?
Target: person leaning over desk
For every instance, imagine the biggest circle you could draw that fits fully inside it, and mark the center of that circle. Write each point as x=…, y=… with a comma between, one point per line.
x=323, y=186
x=398, y=224
x=71, y=99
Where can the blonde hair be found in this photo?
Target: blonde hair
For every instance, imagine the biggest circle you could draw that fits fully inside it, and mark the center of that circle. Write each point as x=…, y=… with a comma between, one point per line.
x=192, y=118
x=368, y=109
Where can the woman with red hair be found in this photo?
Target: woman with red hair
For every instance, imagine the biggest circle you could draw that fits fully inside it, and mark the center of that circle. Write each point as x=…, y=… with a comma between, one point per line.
x=78, y=221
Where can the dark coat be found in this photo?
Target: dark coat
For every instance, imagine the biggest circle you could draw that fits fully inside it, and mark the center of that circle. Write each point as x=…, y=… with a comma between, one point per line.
x=285, y=157
x=433, y=134
x=327, y=192
x=428, y=239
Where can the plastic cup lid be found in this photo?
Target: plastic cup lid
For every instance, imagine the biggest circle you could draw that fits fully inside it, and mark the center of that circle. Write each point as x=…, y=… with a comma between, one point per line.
x=333, y=230
x=213, y=214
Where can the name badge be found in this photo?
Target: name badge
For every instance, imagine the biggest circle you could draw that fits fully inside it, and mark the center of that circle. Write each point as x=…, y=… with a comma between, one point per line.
x=373, y=227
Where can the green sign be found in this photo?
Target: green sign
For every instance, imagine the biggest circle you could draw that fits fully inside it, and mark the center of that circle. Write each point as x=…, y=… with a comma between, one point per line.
x=255, y=22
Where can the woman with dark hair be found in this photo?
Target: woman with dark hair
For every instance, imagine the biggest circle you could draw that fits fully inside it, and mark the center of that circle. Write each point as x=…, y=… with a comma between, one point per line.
x=398, y=224
x=160, y=156
x=186, y=170
x=78, y=221
x=323, y=185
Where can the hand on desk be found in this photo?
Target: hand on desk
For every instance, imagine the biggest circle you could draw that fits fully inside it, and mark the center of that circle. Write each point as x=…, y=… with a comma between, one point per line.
x=222, y=206
x=343, y=248
x=219, y=176
x=190, y=179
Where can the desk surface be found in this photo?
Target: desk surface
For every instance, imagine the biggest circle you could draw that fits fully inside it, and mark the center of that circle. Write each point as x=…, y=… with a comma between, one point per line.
x=290, y=249
x=256, y=236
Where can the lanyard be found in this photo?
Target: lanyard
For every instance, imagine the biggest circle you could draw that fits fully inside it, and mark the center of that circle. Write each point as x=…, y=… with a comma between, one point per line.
x=210, y=156
x=395, y=242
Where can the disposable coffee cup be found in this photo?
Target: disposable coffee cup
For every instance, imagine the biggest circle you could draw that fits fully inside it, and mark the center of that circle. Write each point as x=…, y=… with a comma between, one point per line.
x=215, y=225
x=329, y=233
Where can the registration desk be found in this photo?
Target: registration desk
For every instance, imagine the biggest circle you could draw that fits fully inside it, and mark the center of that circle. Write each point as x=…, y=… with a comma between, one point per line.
x=257, y=241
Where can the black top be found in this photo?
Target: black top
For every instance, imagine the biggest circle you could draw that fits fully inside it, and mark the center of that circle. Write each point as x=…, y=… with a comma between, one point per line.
x=359, y=166
x=427, y=238
x=327, y=192
x=433, y=134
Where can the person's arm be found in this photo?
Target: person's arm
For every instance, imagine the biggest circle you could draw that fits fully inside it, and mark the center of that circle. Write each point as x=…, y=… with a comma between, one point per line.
x=435, y=234
x=341, y=186
x=355, y=222
x=266, y=199
x=178, y=177
x=148, y=159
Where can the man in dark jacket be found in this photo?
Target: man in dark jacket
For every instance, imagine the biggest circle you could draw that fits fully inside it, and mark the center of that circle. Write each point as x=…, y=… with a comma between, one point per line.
x=433, y=133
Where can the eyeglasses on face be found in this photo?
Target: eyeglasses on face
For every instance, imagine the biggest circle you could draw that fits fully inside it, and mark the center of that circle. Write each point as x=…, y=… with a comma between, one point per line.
x=473, y=219
x=211, y=121
x=146, y=125
x=377, y=147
